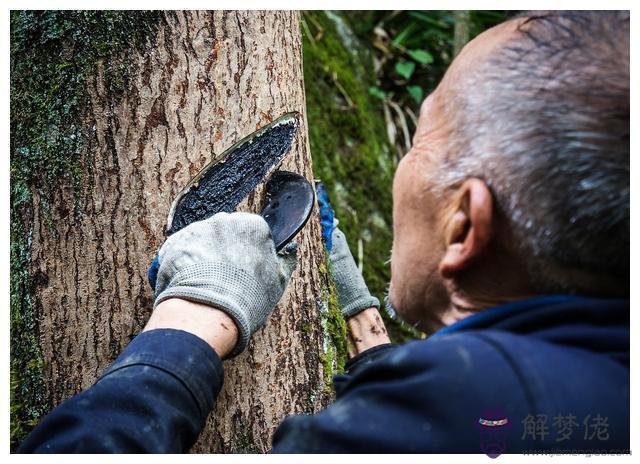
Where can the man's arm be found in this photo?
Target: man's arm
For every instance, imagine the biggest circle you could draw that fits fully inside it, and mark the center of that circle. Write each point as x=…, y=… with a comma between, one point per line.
x=368, y=338
x=210, y=324
x=158, y=393
x=358, y=306
x=153, y=399
x=366, y=330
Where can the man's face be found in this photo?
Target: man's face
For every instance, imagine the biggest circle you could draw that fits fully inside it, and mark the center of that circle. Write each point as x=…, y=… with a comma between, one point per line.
x=418, y=292
x=418, y=242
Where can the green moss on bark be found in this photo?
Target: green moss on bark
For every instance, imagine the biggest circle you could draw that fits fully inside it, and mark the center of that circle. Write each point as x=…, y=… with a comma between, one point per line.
x=26, y=387
x=52, y=55
x=335, y=350
x=349, y=145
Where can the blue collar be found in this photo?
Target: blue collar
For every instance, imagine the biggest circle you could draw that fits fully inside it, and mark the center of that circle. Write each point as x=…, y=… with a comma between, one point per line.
x=488, y=317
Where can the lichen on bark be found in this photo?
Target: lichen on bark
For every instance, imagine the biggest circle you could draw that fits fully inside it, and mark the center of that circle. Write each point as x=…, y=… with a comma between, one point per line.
x=207, y=80
x=52, y=55
x=335, y=349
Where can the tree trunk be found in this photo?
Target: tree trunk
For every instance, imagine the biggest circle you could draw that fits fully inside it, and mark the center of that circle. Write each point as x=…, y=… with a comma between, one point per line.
x=207, y=80
x=461, y=29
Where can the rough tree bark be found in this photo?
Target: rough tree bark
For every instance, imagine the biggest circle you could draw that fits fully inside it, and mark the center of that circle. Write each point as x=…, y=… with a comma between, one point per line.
x=461, y=30
x=207, y=80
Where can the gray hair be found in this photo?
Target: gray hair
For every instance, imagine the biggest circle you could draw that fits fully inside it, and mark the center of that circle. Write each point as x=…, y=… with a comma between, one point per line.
x=545, y=122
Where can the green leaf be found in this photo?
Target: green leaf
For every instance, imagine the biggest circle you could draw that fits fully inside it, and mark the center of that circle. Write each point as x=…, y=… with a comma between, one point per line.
x=421, y=56
x=405, y=69
x=416, y=93
x=438, y=22
x=377, y=92
x=397, y=40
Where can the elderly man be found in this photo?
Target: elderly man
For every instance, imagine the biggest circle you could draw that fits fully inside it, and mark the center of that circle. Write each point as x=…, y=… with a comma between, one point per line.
x=511, y=246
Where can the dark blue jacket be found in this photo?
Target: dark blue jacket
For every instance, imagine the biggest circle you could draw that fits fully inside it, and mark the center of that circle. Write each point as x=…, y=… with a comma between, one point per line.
x=546, y=374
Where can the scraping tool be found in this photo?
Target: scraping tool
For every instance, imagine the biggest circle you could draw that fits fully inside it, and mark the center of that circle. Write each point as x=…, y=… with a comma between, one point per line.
x=226, y=181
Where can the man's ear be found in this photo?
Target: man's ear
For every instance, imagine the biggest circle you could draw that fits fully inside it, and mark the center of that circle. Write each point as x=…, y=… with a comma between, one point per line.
x=468, y=227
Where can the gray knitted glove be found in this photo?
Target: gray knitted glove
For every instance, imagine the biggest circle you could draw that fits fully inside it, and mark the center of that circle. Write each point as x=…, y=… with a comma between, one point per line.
x=353, y=293
x=228, y=261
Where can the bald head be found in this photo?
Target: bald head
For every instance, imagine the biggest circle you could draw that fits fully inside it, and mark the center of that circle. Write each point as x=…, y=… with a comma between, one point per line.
x=517, y=183
x=538, y=107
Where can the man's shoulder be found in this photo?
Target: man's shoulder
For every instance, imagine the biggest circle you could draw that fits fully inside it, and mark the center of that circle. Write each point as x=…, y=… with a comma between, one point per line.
x=466, y=353
x=521, y=373
x=428, y=395
x=483, y=359
x=422, y=396
x=465, y=370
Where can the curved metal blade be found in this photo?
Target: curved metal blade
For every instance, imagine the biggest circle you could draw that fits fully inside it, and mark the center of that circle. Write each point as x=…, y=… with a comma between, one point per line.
x=288, y=204
x=223, y=183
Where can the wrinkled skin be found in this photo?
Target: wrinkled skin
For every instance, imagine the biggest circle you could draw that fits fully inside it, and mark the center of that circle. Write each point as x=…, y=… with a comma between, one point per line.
x=435, y=279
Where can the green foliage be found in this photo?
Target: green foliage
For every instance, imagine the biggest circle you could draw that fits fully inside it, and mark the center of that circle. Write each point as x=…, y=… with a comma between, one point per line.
x=52, y=55
x=416, y=93
x=349, y=145
x=414, y=48
x=377, y=92
x=345, y=126
x=345, y=98
x=421, y=56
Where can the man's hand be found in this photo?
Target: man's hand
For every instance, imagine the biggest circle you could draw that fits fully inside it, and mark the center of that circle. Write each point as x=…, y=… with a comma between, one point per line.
x=359, y=307
x=228, y=262
x=353, y=294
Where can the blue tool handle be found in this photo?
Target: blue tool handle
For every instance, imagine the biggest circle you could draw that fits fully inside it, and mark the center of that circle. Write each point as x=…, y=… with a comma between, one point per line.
x=152, y=273
x=326, y=213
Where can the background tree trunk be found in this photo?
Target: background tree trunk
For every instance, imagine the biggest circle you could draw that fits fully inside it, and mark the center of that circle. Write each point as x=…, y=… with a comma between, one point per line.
x=207, y=80
x=461, y=30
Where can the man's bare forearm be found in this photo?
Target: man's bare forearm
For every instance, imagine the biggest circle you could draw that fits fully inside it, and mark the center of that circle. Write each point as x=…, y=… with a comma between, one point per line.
x=366, y=330
x=210, y=324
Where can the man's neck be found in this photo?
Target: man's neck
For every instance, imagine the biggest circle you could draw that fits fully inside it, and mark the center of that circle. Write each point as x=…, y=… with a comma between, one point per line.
x=464, y=304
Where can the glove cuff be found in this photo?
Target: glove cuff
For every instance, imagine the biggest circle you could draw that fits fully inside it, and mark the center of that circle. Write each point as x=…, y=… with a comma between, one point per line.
x=217, y=285
x=359, y=305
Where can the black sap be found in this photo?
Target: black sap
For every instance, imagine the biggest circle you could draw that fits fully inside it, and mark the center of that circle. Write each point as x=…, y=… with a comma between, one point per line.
x=221, y=186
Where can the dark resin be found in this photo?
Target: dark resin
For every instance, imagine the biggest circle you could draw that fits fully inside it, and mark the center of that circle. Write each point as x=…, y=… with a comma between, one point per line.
x=223, y=186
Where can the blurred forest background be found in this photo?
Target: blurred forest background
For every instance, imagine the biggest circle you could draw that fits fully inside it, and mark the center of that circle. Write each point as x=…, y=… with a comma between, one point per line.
x=365, y=73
